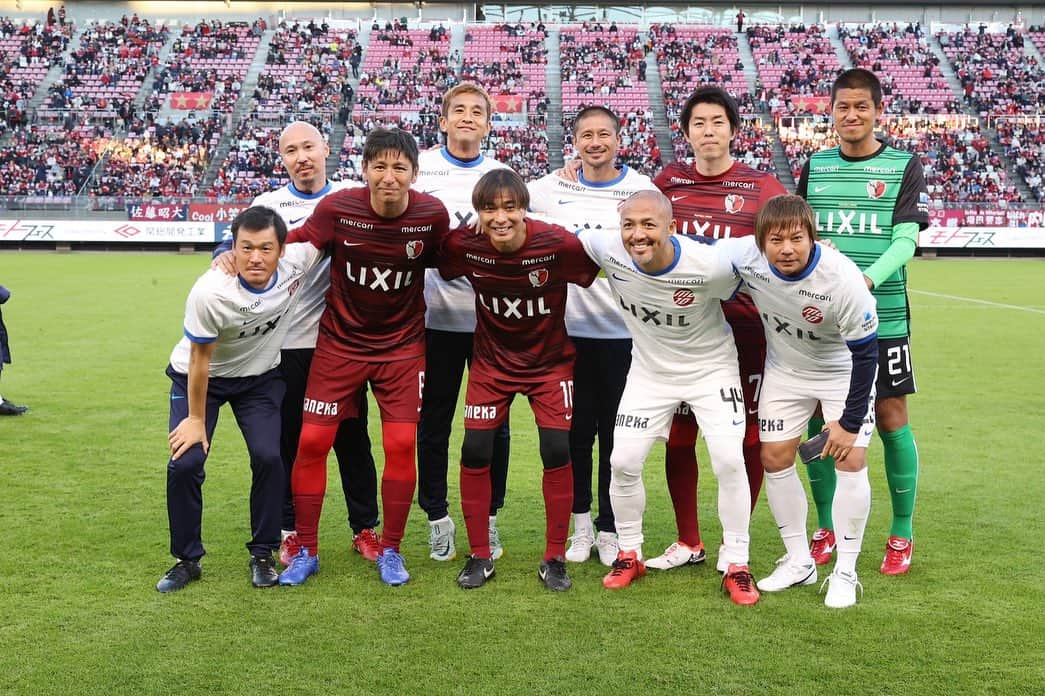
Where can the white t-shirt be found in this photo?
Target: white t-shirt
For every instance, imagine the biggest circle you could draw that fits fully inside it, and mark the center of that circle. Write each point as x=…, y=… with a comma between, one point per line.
x=674, y=317
x=590, y=312
x=451, y=304
x=248, y=325
x=808, y=318
x=295, y=207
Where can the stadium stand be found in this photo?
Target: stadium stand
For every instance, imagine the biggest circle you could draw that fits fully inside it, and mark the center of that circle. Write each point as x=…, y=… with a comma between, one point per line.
x=27, y=52
x=796, y=66
x=997, y=75
x=306, y=70
x=52, y=160
x=1024, y=141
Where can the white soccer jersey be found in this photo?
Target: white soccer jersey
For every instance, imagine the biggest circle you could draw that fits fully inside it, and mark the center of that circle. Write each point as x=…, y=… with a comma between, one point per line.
x=248, y=325
x=808, y=318
x=451, y=304
x=295, y=207
x=674, y=317
x=590, y=312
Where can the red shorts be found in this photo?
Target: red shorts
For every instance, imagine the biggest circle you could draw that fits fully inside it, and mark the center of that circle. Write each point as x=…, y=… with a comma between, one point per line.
x=335, y=385
x=489, y=395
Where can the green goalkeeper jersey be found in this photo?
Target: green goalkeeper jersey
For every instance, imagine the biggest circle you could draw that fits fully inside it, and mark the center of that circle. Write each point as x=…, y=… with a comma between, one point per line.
x=858, y=204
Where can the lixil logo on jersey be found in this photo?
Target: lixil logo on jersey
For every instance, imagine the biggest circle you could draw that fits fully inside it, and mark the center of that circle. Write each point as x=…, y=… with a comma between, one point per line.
x=875, y=189
x=538, y=277
x=414, y=249
x=734, y=203
x=812, y=314
x=683, y=297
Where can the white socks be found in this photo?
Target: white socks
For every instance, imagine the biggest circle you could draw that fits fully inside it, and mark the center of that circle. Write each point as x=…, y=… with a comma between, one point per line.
x=787, y=501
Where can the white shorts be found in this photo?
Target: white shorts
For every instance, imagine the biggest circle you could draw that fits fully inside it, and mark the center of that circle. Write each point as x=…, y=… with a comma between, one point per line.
x=788, y=402
x=649, y=402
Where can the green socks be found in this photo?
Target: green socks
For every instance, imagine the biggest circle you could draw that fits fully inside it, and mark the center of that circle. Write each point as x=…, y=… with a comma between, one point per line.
x=901, y=470
x=822, y=480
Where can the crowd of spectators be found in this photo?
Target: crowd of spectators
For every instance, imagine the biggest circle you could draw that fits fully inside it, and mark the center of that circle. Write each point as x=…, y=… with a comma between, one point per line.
x=796, y=66
x=1024, y=143
x=405, y=71
x=998, y=76
x=51, y=159
x=158, y=158
x=27, y=52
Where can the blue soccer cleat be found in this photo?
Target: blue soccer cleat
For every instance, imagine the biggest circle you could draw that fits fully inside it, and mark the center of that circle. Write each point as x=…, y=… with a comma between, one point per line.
x=390, y=567
x=301, y=567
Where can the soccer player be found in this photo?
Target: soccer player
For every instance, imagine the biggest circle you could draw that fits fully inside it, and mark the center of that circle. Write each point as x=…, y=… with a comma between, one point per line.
x=7, y=408
x=822, y=351
x=718, y=197
x=871, y=200
x=450, y=173
x=593, y=321
x=234, y=328
x=303, y=152
x=380, y=238
x=670, y=289
x=519, y=269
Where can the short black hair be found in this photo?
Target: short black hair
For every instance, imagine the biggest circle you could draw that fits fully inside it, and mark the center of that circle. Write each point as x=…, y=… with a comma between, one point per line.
x=382, y=140
x=504, y=181
x=257, y=218
x=859, y=78
x=596, y=111
x=711, y=94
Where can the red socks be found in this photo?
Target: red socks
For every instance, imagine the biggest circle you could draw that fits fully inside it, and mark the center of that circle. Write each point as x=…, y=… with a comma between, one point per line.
x=557, y=485
x=308, y=481
x=399, y=480
x=475, y=505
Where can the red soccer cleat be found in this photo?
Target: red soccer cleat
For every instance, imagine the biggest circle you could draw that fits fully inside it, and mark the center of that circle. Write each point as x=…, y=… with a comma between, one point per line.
x=289, y=548
x=822, y=546
x=626, y=568
x=897, y=559
x=367, y=544
x=740, y=585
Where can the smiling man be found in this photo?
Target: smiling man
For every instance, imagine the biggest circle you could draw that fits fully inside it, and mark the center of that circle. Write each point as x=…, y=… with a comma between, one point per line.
x=871, y=200
x=670, y=289
x=518, y=268
x=372, y=331
x=450, y=173
x=234, y=327
x=593, y=322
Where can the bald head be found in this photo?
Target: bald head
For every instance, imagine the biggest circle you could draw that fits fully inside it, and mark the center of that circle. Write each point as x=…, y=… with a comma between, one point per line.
x=304, y=152
x=646, y=227
x=655, y=199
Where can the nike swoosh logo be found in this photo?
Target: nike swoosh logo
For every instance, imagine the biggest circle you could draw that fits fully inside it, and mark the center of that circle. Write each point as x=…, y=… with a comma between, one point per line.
x=898, y=382
x=479, y=275
x=821, y=189
x=849, y=538
x=543, y=573
x=562, y=202
x=294, y=222
x=488, y=573
x=617, y=277
x=753, y=411
x=677, y=198
x=176, y=396
x=354, y=243
x=902, y=491
x=570, y=417
x=738, y=422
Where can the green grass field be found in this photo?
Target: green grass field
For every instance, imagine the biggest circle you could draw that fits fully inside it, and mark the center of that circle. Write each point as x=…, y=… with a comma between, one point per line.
x=85, y=534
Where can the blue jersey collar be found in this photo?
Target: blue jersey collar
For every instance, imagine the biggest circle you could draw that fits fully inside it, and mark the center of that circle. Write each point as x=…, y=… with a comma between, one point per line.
x=253, y=290
x=813, y=261
x=461, y=163
x=671, y=266
x=308, y=196
x=602, y=184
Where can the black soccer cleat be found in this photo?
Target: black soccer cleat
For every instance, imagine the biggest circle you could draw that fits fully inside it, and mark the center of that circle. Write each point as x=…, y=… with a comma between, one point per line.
x=475, y=573
x=263, y=571
x=180, y=575
x=9, y=409
x=553, y=574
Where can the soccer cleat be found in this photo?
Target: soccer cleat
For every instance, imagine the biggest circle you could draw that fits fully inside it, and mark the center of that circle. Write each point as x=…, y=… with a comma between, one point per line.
x=288, y=548
x=841, y=589
x=180, y=575
x=301, y=567
x=367, y=544
x=553, y=574
x=496, y=550
x=441, y=540
x=626, y=568
x=677, y=555
x=391, y=568
x=606, y=543
x=822, y=546
x=740, y=585
x=263, y=571
x=475, y=573
x=580, y=544
x=10, y=409
x=788, y=573
x=897, y=559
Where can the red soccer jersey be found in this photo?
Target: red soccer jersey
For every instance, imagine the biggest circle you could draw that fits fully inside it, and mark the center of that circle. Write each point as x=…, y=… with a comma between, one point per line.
x=375, y=305
x=720, y=206
x=520, y=298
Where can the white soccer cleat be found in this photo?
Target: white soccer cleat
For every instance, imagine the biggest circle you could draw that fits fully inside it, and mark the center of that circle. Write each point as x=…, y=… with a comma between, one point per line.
x=676, y=556
x=606, y=544
x=789, y=573
x=582, y=540
x=441, y=540
x=841, y=589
